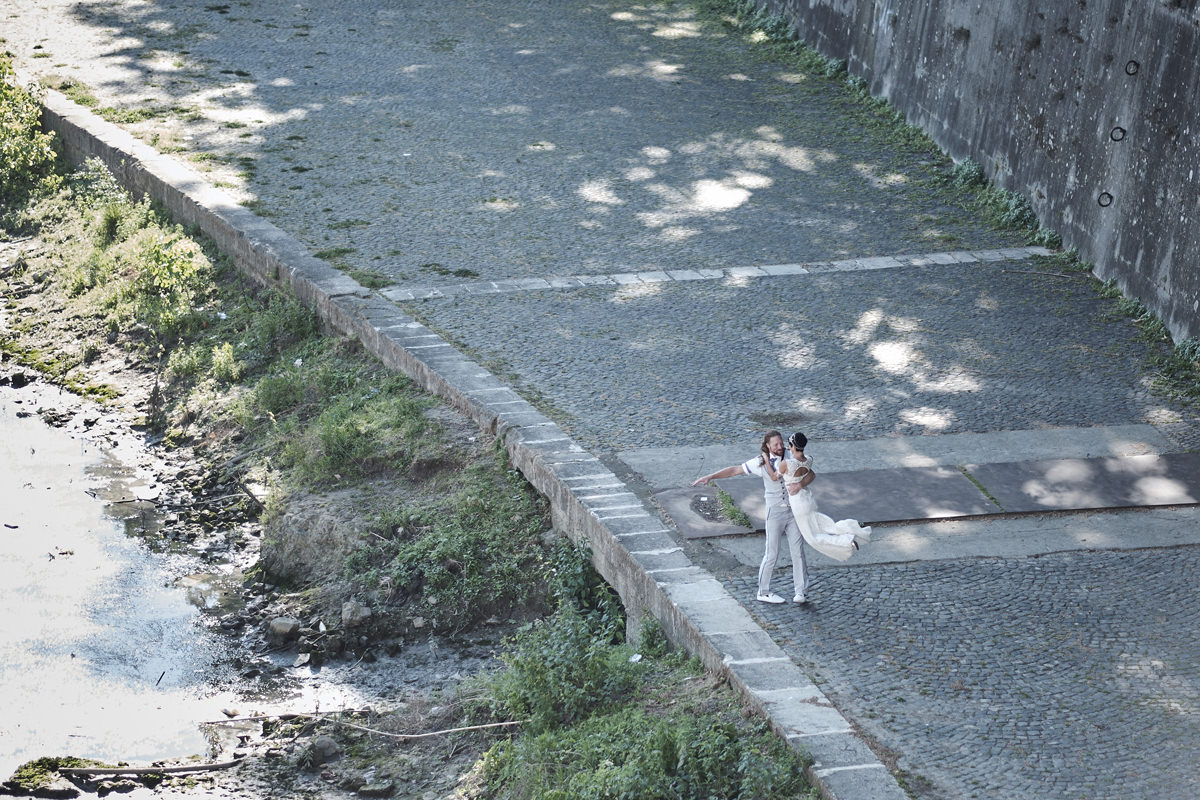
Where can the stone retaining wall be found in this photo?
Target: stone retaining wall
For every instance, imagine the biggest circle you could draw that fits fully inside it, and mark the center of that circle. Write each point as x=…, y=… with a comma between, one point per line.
x=1089, y=109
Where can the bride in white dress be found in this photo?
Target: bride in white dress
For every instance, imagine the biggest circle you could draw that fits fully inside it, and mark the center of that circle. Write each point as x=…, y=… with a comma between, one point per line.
x=838, y=540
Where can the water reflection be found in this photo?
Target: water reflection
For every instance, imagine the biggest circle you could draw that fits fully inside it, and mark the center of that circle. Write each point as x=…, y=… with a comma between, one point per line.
x=101, y=654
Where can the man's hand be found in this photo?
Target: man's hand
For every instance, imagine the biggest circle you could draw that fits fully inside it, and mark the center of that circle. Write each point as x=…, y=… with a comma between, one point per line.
x=793, y=487
x=728, y=472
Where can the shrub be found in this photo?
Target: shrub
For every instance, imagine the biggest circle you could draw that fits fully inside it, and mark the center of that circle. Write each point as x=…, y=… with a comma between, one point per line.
x=225, y=366
x=575, y=582
x=631, y=753
x=560, y=671
x=189, y=361
x=967, y=174
x=27, y=154
x=473, y=553
x=652, y=640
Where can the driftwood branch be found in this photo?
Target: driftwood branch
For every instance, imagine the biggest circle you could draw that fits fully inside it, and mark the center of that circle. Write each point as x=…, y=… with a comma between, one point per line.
x=376, y=731
x=430, y=733
x=250, y=494
x=84, y=771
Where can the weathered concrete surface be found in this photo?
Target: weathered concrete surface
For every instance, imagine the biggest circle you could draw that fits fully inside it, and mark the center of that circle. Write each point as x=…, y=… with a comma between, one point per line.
x=1088, y=109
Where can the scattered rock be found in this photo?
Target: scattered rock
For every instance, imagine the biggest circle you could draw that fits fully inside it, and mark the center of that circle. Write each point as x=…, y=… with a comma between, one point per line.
x=324, y=749
x=122, y=786
x=354, y=614
x=56, y=786
x=283, y=629
x=377, y=790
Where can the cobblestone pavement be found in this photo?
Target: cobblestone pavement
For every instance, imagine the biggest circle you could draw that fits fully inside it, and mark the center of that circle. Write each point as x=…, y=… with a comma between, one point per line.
x=438, y=142
x=1068, y=676
x=936, y=349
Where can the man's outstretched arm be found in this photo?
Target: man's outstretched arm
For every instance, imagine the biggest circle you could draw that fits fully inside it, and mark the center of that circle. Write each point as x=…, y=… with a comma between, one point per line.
x=728, y=472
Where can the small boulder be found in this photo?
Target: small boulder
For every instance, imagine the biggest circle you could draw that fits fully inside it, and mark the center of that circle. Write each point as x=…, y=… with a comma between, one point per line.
x=283, y=629
x=377, y=790
x=324, y=749
x=354, y=614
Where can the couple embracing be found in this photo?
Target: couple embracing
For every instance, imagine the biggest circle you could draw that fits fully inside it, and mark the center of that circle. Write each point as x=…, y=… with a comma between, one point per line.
x=791, y=509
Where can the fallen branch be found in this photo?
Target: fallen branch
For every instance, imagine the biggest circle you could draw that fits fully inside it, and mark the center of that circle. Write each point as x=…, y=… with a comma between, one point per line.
x=430, y=733
x=319, y=717
x=250, y=494
x=82, y=771
x=210, y=500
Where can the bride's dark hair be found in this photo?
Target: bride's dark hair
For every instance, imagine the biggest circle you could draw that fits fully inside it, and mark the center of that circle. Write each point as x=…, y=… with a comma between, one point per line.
x=798, y=440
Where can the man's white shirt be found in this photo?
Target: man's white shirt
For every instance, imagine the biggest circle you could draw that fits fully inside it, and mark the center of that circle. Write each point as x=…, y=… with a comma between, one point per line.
x=773, y=494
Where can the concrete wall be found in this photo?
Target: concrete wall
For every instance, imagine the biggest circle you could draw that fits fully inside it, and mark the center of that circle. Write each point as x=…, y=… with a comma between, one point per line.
x=1090, y=108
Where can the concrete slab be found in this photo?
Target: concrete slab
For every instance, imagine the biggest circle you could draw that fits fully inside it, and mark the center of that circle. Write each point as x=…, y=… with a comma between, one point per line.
x=681, y=506
x=999, y=537
x=900, y=494
x=1068, y=484
x=869, y=497
x=673, y=467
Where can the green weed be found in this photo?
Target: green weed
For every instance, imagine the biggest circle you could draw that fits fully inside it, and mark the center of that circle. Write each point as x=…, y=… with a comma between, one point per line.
x=28, y=159
x=334, y=253
x=560, y=671
x=731, y=511
x=468, y=554
x=224, y=364
x=370, y=278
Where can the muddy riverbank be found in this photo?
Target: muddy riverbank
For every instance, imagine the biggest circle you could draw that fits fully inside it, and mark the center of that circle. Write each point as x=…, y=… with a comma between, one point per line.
x=117, y=645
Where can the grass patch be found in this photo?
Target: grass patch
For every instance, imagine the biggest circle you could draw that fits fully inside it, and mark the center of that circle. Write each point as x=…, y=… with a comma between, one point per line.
x=469, y=551
x=370, y=278
x=334, y=253
x=438, y=269
x=730, y=510
x=607, y=719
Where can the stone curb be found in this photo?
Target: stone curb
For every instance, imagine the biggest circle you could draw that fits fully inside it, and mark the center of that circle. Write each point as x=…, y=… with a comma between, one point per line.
x=412, y=293
x=631, y=546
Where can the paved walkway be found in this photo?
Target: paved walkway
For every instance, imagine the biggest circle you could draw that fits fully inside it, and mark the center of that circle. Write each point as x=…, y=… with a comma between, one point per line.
x=527, y=178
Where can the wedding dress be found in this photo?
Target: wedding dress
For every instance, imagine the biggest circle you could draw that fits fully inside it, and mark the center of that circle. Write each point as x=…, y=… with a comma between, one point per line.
x=823, y=534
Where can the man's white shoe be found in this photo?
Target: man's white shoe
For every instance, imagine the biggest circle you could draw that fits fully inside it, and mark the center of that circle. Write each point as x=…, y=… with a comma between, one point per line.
x=800, y=599
x=770, y=598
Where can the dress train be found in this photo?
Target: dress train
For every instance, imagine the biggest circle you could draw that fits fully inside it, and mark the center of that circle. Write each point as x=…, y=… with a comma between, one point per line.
x=823, y=534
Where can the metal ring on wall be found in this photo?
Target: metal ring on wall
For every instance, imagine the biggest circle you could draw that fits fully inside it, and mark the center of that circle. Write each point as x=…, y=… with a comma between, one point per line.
x=1105, y=199
x=1117, y=134
x=1132, y=67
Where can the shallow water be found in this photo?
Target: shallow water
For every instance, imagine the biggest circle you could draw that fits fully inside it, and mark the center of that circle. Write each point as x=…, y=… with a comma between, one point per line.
x=102, y=655
x=104, y=650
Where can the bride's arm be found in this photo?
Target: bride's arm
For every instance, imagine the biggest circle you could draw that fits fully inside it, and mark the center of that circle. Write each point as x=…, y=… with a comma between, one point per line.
x=770, y=469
